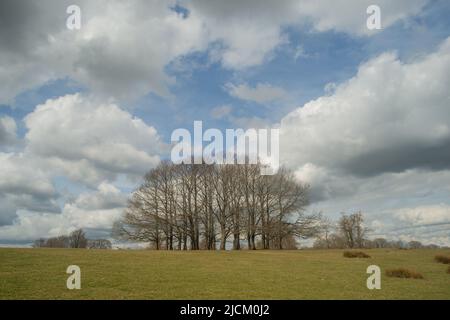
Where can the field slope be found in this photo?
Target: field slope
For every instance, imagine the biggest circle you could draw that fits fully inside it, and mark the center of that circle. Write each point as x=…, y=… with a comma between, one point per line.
x=303, y=274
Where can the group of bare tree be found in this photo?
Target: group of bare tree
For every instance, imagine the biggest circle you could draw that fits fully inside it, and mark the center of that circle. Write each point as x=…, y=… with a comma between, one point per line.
x=350, y=232
x=201, y=206
x=76, y=239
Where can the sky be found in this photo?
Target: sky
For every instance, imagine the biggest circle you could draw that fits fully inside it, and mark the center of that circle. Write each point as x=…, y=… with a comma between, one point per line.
x=363, y=114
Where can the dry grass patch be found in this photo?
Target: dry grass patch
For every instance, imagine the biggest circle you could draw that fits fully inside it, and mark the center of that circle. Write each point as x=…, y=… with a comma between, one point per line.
x=355, y=254
x=442, y=259
x=403, y=273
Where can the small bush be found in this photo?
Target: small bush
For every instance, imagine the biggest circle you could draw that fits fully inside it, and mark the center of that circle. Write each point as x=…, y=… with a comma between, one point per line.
x=403, y=273
x=355, y=254
x=442, y=259
x=448, y=270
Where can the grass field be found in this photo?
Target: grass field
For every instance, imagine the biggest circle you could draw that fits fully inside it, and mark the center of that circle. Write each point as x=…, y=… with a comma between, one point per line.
x=303, y=274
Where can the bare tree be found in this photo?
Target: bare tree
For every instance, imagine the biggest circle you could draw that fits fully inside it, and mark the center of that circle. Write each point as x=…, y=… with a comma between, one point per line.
x=415, y=245
x=77, y=239
x=99, y=244
x=191, y=206
x=353, y=230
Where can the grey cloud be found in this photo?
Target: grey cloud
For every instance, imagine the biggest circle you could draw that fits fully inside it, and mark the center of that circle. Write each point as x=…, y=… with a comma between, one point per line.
x=8, y=134
x=10, y=204
x=401, y=158
x=123, y=48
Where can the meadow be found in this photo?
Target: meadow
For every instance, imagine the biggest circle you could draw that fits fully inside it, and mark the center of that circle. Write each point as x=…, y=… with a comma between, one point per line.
x=145, y=274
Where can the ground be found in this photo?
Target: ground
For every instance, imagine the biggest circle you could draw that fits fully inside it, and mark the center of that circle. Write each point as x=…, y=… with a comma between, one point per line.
x=301, y=274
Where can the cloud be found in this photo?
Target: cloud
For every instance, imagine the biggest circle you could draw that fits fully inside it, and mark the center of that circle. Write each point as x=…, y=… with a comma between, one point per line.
x=37, y=47
x=8, y=130
x=23, y=185
x=91, y=141
x=40, y=48
x=379, y=143
x=82, y=140
x=250, y=31
x=424, y=215
x=392, y=116
x=95, y=210
x=221, y=111
x=350, y=16
x=429, y=224
x=107, y=197
x=17, y=176
x=262, y=93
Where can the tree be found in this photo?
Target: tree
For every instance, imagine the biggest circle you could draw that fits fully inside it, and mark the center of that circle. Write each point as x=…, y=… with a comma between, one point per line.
x=325, y=229
x=40, y=243
x=193, y=205
x=99, y=244
x=415, y=245
x=353, y=230
x=58, y=242
x=380, y=243
x=77, y=239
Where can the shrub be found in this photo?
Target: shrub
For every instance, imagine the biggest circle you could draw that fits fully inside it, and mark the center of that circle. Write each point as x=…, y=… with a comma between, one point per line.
x=355, y=254
x=442, y=259
x=403, y=273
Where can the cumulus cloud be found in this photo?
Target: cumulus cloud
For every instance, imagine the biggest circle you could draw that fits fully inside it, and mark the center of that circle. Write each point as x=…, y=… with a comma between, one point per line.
x=24, y=186
x=261, y=93
x=8, y=130
x=37, y=47
x=392, y=116
x=17, y=176
x=107, y=197
x=250, y=31
x=91, y=141
x=40, y=48
x=379, y=143
x=95, y=210
x=82, y=140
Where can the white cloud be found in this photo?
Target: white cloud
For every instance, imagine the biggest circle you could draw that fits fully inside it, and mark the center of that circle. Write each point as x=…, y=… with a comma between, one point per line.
x=98, y=55
x=429, y=224
x=39, y=48
x=433, y=214
x=390, y=117
x=91, y=141
x=251, y=30
x=221, y=111
x=262, y=93
x=107, y=197
x=379, y=143
x=23, y=185
x=83, y=140
x=17, y=175
x=95, y=210
x=350, y=16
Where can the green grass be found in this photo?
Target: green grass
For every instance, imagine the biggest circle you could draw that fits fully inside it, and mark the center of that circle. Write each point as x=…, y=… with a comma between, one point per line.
x=304, y=274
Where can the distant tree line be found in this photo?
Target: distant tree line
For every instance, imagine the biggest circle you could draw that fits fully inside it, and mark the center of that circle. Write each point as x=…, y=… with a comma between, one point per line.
x=202, y=206
x=349, y=232
x=76, y=239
